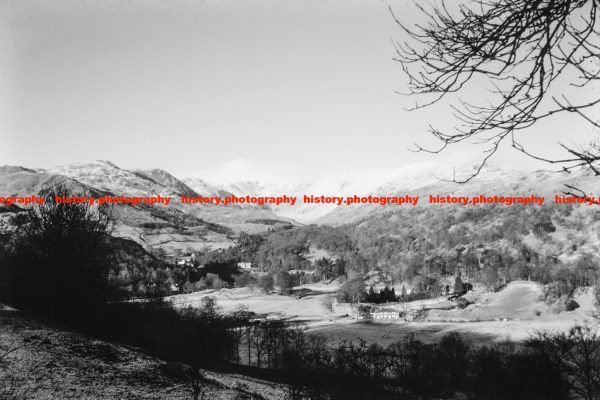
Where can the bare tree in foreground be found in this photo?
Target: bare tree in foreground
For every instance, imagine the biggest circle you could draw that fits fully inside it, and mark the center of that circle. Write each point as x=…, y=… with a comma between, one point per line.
x=524, y=49
x=61, y=257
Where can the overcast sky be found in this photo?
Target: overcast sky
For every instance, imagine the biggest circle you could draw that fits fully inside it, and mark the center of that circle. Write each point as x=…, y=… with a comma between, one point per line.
x=191, y=85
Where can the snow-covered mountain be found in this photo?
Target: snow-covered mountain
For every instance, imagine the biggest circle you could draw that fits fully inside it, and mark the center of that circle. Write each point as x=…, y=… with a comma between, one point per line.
x=417, y=180
x=202, y=187
x=108, y=177
x=337, y=182
x=491, y=181
x=167, y=180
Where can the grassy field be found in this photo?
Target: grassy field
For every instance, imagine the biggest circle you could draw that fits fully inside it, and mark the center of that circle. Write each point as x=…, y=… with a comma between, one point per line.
x=512, y=314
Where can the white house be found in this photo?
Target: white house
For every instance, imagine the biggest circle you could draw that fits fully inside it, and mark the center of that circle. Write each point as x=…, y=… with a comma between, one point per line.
x=386, y=315
x=188, y=261
x=245, y=265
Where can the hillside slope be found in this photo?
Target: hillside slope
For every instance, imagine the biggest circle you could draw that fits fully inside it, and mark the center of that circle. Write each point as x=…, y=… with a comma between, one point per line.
x=174, y=227
x=52, y=363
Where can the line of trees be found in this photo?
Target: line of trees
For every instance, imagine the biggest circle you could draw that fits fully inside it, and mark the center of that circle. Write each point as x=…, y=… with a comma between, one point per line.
x=385, y=295
x=547, y=366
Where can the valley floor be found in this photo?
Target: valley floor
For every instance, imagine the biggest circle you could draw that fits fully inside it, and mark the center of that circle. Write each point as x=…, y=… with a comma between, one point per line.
x=512, y=314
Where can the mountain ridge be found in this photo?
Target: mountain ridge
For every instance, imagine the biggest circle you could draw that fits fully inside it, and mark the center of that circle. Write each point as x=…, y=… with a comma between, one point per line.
x=420, y=180
x=105, y=177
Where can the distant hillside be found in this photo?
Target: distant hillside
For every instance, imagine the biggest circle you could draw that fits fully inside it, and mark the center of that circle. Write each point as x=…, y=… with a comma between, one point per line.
x=181, y=227
x=416, y=180
x=492, y=181
x=167, y=180
x=296, y=248
x=173, y=228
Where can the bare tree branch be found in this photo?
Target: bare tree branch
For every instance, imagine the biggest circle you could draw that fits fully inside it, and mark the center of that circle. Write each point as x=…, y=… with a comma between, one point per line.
x=521, y=48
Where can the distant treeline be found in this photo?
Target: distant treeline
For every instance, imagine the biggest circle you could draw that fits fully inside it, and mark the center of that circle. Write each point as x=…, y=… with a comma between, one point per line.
x=269, y=221
x=491, y=245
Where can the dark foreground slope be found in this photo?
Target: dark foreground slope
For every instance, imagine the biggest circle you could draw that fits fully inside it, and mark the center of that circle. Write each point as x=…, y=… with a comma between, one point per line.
x=49, y=362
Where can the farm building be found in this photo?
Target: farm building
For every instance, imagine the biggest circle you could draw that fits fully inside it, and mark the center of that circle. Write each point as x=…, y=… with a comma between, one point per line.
x=386, y=315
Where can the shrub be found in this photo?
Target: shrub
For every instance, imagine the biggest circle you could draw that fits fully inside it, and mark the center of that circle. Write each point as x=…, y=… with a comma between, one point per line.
x=571, y=305
x=266, y=283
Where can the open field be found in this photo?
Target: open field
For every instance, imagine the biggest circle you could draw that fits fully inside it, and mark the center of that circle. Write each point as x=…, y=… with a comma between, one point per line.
x=512, y=314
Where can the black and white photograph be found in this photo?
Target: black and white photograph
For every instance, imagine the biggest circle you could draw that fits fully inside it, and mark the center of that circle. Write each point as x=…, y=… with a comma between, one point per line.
x=300, y=199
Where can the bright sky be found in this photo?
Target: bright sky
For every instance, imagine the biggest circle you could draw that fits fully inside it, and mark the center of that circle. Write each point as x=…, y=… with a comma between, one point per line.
x=191, y=85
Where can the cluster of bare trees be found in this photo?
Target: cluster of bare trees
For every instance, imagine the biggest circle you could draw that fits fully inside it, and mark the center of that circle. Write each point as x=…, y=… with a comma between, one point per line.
x=547, y=366
x=577, y=355
x=263, y=344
